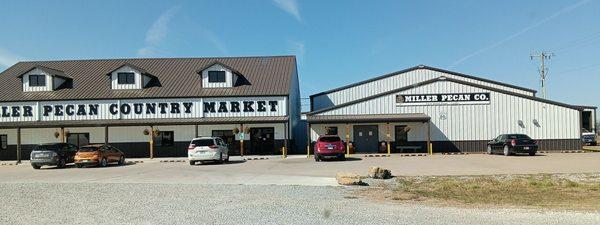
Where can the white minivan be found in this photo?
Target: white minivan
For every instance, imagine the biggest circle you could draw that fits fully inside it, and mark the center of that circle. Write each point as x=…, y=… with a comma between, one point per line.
x=208, y=149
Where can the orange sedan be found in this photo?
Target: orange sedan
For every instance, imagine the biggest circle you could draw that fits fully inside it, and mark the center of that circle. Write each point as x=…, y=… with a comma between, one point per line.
x=98, y=155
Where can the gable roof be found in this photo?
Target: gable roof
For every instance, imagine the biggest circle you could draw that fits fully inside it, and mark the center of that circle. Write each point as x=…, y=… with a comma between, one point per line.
x=428, y=68
x=270, y=76
x=443, y=79
x=50, y=71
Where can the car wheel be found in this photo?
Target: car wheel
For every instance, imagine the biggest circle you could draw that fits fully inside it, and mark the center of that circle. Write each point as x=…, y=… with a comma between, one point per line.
x=79, y=165
x=192, y=162
x=103, y=162
x=594, y=143
x=342, y=157
x=61, y=163
x=506, y=150
x=122, y=161
x=36, y=167
x=227, y=159
x=531, y=153
x=489, y=150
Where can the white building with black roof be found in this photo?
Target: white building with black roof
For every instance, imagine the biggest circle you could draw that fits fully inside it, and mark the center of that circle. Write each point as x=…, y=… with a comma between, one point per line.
x=423, y=106
x=150, y=107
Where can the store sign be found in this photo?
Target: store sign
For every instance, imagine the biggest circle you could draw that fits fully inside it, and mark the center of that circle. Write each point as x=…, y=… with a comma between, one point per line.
x=451, y=98
x=142, y=109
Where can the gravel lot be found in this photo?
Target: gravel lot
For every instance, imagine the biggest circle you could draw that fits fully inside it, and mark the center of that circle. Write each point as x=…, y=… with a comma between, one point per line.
x=132, y=203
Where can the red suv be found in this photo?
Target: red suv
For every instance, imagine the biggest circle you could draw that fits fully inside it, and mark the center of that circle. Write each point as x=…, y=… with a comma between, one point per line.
x=329, y=146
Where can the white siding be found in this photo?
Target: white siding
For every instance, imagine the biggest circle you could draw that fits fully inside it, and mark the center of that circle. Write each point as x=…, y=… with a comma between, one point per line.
x=27, y=88
x=34, y=136
x=478, y=122
x=11, y=135
x=228, y=77
x=197, y=109
x=128, y=134
x=392, y=83
x=126, y=69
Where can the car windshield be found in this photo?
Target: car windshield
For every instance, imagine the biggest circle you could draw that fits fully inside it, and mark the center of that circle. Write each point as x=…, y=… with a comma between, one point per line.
x=329, y=139
x=88, y=149
x=518, y=136
x=203, y=142
x=53, y=148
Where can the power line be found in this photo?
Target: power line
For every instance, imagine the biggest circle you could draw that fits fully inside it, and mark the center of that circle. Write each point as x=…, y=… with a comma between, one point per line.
x=543, y=69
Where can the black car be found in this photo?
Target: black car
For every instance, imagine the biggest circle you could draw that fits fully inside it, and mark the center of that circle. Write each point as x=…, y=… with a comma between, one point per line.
x=52, y=154
x=509, y=144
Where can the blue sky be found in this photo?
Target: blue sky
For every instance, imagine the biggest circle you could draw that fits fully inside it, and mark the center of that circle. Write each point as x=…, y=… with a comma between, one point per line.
x=336, y=42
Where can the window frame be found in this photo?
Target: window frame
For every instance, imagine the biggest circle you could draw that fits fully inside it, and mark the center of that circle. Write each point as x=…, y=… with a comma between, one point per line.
x=36, y=78
x=161, y=136
x=125, y=79
x=3, y=141
x=78, y=144
x=216, y=79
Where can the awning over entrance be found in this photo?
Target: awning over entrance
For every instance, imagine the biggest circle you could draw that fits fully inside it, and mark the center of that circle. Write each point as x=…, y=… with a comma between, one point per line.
x=387, y=118
x=145, y=122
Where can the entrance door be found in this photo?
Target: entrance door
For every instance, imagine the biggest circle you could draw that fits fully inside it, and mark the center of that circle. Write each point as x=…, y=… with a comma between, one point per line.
x=366, y=138
x=229, y=139
x=79, y=139
x=262, y=141
x=401, y=135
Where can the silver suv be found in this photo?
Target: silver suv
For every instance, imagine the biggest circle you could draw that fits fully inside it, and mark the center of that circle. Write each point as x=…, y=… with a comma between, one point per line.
x=208, y=149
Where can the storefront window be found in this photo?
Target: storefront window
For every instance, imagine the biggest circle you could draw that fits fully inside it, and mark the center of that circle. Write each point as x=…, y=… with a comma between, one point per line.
x=331, y=130
x=3, y=142
x=164, y=139
x=79, y=139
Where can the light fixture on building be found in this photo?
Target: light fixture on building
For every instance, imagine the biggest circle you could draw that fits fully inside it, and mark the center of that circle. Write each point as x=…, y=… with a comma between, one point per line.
x=536, y=123
x=521, y=124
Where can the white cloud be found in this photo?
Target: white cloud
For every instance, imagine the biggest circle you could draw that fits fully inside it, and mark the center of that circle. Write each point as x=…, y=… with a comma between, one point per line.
x=298, y=49
x=215, y=41
x=289, y=6
x=521, y=32
x=158, y=31
x=8, y=59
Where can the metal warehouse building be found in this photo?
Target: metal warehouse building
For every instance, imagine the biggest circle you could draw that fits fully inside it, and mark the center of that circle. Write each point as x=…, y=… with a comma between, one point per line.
x=150, y=107
x=410, y=109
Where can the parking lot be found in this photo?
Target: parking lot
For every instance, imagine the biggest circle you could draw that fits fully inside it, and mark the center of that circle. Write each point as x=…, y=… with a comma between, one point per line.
x=298, y=170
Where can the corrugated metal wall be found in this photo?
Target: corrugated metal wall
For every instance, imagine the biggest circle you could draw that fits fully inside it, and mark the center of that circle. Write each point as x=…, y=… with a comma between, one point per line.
x=478, y=122
x=394, y=82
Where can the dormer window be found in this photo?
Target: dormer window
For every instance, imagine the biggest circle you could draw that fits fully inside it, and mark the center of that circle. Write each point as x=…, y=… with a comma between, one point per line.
x=216, y=76
x=126, y=78
x=131, y=77
x=37, y=80
x=41, y=78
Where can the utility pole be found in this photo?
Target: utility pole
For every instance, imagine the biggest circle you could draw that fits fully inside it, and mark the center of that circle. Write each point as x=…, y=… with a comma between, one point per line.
x=543, y=70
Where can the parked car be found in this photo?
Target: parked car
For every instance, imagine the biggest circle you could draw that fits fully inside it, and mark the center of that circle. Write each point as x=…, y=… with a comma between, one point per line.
x=52, y=154
x=98, y=155
x=588, y=138
x=509, y=144
x=329, y=146
x=208, y=149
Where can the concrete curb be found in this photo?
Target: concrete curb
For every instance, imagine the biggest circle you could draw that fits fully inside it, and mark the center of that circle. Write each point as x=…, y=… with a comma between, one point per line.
x=377, y=155
x=409, y=155
x=573, y=151
x=455, y=153
x=173, y=161
x=256, y=158
x=134, y=161
x=8, y=164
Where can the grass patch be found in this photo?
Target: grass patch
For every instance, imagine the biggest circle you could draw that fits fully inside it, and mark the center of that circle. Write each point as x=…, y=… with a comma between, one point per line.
x=580, y=192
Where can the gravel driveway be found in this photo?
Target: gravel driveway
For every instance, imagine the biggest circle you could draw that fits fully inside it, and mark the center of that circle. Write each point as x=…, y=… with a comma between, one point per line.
x=101, y=203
